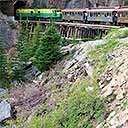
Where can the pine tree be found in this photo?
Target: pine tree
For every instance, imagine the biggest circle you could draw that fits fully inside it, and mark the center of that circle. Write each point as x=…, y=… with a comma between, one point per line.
x=34, y=43
x=3, y=64
x=49, y=49
x=22, y=55
x=23, y=44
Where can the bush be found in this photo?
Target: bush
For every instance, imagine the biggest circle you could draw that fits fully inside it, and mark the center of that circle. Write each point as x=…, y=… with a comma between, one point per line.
x=3, y=65
x=23, y=44
x=35, y=41
x=48, y=50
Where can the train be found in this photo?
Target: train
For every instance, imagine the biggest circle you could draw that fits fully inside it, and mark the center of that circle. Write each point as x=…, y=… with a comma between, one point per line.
x=36, y=14
x=115, y=15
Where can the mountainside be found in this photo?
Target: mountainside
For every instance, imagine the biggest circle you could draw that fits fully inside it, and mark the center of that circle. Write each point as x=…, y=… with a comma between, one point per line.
x=86, y=3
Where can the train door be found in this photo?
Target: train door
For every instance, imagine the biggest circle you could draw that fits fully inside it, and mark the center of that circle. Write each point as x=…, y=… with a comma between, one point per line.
x=114, y=17
x=85, y=16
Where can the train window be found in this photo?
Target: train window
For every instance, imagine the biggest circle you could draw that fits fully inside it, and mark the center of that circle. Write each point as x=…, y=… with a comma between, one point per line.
x=91, y=14
x=126, y=14
x=31, y=11
x=99, y=14
x=38, y=11
x=123, y=15
x=119, y=14
x=58, y=10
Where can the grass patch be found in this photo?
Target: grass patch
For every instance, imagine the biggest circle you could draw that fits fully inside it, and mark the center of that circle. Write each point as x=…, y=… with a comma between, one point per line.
x=99, y=55
x=117, y=34
x=79, y=110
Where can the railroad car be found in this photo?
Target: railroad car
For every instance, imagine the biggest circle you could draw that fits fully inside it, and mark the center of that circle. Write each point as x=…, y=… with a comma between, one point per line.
x=89, y=15
x=38, y=14
x=123, y=16
x=73, y=14
x=101, y=15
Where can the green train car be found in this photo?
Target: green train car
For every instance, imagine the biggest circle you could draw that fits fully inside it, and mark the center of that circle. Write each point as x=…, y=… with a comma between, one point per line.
x=38, y=14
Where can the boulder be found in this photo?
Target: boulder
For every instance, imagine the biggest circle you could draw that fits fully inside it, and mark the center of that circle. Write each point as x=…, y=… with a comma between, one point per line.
x=3, y=92
x=5, y=110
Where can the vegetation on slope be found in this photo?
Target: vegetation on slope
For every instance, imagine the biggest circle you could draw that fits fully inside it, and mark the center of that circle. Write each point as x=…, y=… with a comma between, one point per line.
x=83, y=108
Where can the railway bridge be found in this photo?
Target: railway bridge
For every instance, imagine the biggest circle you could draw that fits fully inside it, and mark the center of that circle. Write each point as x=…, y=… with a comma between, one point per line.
x=79, y=31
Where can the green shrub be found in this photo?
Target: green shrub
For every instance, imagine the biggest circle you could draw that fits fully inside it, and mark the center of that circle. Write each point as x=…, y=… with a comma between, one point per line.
x=48, y=51
x=23, y=43
x=117, y=34
x=3, y=65
x=35, y=41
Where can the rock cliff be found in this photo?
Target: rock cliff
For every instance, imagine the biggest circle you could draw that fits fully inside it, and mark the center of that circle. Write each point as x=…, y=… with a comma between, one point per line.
x=85, y=3
x=7, y=31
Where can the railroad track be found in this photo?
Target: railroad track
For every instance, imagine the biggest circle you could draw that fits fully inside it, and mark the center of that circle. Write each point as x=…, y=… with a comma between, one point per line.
x=80, y=25
x=80, y=30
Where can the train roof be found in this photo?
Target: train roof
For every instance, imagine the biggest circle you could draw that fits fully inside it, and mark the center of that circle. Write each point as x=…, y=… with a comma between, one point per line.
x=101, y=10
x=97, y=9
x=122, y=9
x=89, y=10
x=74, y=10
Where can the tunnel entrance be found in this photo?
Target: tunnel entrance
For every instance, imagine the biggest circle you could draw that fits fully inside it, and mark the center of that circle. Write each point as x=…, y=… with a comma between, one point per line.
x=19, y=4
x=6, y=7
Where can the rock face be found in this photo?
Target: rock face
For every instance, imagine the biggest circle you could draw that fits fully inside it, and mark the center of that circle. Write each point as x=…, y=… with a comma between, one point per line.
x=85, y=3
x=7, y=31
x=5, y=110
x=114, y=87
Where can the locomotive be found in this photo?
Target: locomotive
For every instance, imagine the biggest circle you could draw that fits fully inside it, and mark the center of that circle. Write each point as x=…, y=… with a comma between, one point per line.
x=114, y=15
x=35, y=14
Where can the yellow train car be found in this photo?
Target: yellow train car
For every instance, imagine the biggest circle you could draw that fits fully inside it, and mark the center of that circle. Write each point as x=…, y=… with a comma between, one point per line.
x=39, y=13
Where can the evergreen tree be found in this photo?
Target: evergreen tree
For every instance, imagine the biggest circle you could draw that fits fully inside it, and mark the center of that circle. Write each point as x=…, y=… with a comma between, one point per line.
x=34, y=43
x=23, y=43
x=22, y=55
x=49, y=49
x=3, y=64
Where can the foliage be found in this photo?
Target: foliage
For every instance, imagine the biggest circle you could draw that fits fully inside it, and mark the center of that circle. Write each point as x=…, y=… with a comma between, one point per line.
x=99, y=53
x=12, y=24
x=35, y=41
x=65, y=42
x=78, y=111
x=115, y=34
x=23, y=43
x=126, y=3
x=48, y=50
x=17, y=72
x=3, y=65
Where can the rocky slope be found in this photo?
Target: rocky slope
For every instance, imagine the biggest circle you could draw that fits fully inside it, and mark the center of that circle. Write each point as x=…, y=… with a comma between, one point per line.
x=85, y=3
x=114, y=87
x=45, y=93
x=8, y=31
